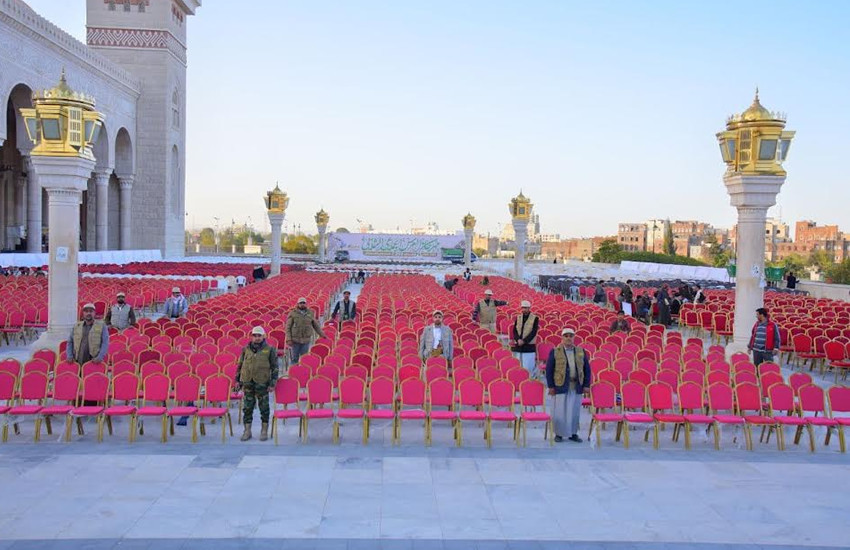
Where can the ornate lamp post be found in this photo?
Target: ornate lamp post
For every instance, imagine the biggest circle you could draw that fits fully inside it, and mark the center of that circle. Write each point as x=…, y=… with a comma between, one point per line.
x=322, y=219
x=62, y=125
x=520, y=209
x=276, y=203
x=754, y=146
x=468, y=222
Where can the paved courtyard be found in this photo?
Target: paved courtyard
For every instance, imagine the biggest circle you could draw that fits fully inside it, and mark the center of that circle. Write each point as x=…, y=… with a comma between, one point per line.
x=320, y=495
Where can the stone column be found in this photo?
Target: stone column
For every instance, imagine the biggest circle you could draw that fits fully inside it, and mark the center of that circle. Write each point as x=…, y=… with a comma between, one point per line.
x=276, y=221
x=9, y=198
x=322, y=248
x=520, y=236
x=101, y=181
x=467, y=249
x=64, y=178
x=21, y=201
x=33, y=208
x=752, y=195
x=126, y=182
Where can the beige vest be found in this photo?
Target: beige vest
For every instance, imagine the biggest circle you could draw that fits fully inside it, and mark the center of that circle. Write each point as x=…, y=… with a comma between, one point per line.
x=300, y=327
x=562, y=367
x=486, y=313
x=120, y=317
x=95, y=336
x=524, y=331
x=256, y=367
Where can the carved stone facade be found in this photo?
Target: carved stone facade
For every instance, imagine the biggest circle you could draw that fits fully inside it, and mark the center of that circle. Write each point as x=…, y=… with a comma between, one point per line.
x=134, y=65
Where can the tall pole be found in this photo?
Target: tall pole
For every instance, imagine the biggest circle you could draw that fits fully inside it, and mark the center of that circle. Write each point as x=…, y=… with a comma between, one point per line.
x=520, y=209
x=276, y=221
x=276, y=203
x=64, y=178
x=754, y=146
x=468, y=222
x=322, y=219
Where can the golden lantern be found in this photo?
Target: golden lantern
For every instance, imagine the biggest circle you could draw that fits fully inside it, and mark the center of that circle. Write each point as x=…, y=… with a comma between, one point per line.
x=62, y=123
x=322, y=218
x=755, y=141
x=468, y=222
x=276, y=201
x=520, y=207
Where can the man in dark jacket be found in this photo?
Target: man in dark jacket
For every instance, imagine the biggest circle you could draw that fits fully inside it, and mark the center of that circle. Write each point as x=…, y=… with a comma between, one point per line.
x=620, y=324
x=524, y=337
x=568, y=377
x=765, y=339
x=256, y=374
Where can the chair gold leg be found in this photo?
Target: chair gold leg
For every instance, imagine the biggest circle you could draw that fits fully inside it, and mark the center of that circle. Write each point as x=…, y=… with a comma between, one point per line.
x=812, y=437
x=194, y=429
x=625, y=435
x=459, y=430
x=841, y=445
x=68, y=428
x=687, y=437
x=716, y=437
x=274, y=430
x=47, y=424
x=365, y=430
x=37, y=432
x=132, y=436
x=164, y=429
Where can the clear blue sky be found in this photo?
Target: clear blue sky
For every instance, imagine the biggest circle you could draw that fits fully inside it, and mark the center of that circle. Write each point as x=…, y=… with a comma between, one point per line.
x=600, y=111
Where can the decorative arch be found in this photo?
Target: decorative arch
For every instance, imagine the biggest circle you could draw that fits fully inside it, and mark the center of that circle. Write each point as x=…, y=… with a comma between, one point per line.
x=101, y=150
x=124, y=157
x=19, y=96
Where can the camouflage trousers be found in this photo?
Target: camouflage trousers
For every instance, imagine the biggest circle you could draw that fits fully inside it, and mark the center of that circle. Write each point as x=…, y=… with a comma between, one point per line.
x=255, y=395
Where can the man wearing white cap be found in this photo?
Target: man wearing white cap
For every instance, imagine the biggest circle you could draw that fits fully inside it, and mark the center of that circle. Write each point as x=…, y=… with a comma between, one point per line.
x=121, y=315
x=568, y=377
x=177, y=305
x=524, y=337
x=485, y=311
x=301, y=324
x=256, y=374
x=436, y=339
x=89, y=339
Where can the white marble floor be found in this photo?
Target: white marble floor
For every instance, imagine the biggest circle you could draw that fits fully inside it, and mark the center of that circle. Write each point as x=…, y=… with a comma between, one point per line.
x=118, y=493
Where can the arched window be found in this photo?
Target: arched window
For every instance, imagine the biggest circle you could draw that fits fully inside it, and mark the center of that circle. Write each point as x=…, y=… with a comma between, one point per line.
x=175, y=109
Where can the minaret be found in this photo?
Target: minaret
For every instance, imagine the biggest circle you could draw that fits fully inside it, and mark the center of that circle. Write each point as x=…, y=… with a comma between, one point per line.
x=148, y=39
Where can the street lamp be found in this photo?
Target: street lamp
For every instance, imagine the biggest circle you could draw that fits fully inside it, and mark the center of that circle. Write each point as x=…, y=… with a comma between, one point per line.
x=276, y=204
x=754, y=146
x=62, y=125
x=468, y=222
x=520, y=208
x=322, y=218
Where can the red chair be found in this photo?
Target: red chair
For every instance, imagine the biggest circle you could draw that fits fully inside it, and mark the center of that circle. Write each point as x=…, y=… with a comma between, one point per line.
x=32, y=393
x=155, y=389
x=352, y=404
x=500, y=395
x=94, y=390
x=749, y=406
x=838, y=361
x=187, y=392
x=634, y=406
x=382, y=403
x=603, y=403
x=782, y=407
x=217, y=390
x=471, y=394
x=412, y=405
x=286, y=394
x=692, y=405
x=663, y=410
x=812, y=407
x=66, y=391
x=319, y=402
x=125, y=393
x=440, y=394
x=839, y=402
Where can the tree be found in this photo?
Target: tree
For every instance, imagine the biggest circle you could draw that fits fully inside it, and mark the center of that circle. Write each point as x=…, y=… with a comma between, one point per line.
x=300, y=244
x=794, y=263
x=609, y=252
x=207, y=236
x=480, y=252
x=669, y=246
x=717, y=255
x=839, y=273
x=820, y=259
x=342, y=230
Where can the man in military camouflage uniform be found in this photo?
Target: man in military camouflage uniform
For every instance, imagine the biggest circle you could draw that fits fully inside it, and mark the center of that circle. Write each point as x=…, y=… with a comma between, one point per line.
x=300, y=326
x=256, y=373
